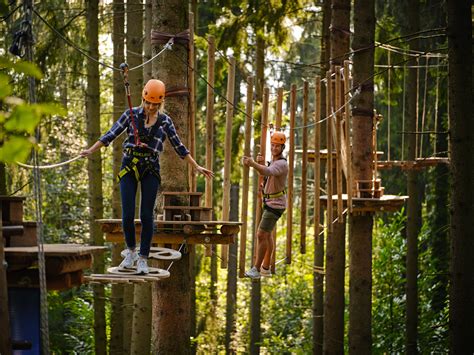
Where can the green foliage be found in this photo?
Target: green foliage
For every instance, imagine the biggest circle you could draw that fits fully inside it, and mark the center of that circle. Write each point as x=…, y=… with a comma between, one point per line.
x=18, y=119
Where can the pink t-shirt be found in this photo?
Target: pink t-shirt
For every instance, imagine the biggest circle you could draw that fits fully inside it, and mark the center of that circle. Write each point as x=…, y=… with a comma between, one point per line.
x=277, y=173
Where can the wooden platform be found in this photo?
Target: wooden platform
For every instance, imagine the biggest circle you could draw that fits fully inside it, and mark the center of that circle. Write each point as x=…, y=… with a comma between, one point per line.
x=387, y=203
x=418, y=164
x=324, y=154
x=64, y=265
x=177, y=232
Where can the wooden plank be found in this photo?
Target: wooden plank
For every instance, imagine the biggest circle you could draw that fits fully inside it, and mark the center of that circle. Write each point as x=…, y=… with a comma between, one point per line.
x=192, y=101
x=245, y=177
x=329, y=149
x=118, y=222
x=228, y=154
x=29, y=278
x=56, y=249
x=304, y=170
x=171, y=238
x=317, y=160
x=291, y=173
x=210, y=119
x=338, y=142
x=185, y=208
x=181, y=193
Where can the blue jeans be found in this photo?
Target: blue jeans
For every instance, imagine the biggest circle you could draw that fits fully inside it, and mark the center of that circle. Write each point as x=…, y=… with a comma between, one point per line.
x=128, y=190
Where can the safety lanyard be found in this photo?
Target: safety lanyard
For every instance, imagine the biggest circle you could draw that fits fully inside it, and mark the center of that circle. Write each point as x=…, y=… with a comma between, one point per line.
x=124, y=67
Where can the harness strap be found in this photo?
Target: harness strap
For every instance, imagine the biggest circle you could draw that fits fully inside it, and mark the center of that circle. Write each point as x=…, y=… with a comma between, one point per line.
x=127, y=168
x=275, y=195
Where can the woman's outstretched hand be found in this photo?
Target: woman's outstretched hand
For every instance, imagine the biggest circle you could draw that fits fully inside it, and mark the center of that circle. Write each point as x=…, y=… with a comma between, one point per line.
x=207, y=173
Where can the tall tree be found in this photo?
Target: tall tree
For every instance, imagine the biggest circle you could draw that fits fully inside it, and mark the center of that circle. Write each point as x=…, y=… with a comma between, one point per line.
x=171, y=299
x=335, y=247
x=116, y=317
x=360, y=236
x=318, y=278
x=461, y=121
x=414, y=198
x=94, y=169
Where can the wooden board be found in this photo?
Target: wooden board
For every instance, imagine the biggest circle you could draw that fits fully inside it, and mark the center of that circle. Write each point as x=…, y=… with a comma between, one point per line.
x=324, y=154
x=196, y=223
x=386, y=203
x=175, y=238
x=56, y=249
x=419, y=163
x=181, y=193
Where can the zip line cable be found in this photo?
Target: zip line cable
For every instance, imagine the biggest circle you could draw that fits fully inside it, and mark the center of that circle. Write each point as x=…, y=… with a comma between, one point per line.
x=168, y=45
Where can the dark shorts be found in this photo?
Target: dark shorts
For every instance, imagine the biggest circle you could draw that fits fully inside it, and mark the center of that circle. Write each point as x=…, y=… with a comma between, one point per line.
x=269, y=219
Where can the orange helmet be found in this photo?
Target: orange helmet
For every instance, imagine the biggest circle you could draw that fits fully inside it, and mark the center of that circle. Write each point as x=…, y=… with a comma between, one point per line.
x=278, y=138
x=154, y=91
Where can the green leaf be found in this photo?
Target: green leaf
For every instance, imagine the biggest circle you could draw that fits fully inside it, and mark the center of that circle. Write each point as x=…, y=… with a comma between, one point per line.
x=5, y=88
x=28, y=69
x=15, y=149
x=50, y=109
x=24, y=118
x=20, y=66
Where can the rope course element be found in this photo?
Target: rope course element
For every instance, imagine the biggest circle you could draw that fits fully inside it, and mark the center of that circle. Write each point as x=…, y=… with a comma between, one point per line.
x=168, y=45
x=48, y=166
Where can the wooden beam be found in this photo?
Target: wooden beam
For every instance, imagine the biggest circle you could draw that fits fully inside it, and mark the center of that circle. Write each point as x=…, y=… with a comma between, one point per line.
x=192, y=102
x=291, y=163
x=210, y=119
x=174, y=238
x=245, y=176
x=304, y=170
x=228, y=154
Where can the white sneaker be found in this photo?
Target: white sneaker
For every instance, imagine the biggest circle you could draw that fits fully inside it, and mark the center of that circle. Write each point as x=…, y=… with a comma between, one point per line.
x=130, y=256
x=142, y=266
x=253, y=273
x=265, y=272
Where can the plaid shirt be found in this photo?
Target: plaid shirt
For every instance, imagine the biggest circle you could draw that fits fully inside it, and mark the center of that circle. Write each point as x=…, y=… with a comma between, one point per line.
x=155, y=142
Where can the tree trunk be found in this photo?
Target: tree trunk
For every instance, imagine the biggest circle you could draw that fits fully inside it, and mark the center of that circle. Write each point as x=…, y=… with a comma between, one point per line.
x=318, y=278
x=231, y=299
x=116, y=316
x=5, y=341
x=414, y=201
x=335, y=247
x=172, y=300
x=141, y=324
x=94, y=169
x=360, y=239
x=256, y=291
x=462, y=174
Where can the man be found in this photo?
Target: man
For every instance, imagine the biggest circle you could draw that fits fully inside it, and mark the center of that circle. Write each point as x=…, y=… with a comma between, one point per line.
x=274, y=202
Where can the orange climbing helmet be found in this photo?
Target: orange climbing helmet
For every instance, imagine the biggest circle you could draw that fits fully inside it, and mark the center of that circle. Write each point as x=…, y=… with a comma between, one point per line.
x=278, y=138
x=154, y=91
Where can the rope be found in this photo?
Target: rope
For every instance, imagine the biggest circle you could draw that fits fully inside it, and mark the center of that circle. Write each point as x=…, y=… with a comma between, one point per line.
x=44, y=326
x=84, y=53
x=423, y=115
x=388, y=106
x=48, y=166
x=403, y=113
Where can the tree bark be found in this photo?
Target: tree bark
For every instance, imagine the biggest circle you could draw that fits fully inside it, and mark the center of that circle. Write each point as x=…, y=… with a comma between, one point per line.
x=94, y=169
x=256, y=291
x=141, y=324
x=335, y=247
x=231, y=299
x=318, y=278
x=171, y=298
x=462, y=173
x=6, y=340
x=116, y=316
x=360, y=239
x=414, y=201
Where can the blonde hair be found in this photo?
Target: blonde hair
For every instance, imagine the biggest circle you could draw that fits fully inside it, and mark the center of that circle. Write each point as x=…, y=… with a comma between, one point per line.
x=161, y=108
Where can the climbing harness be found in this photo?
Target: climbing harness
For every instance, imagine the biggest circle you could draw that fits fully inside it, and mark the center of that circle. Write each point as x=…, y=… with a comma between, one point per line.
x=275, y=195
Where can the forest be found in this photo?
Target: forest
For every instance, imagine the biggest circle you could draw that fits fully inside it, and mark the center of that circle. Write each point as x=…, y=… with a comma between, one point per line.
x=374, y=252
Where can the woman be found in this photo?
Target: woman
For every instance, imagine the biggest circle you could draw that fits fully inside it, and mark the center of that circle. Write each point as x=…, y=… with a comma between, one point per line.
x=274, y=202
x=147, y=128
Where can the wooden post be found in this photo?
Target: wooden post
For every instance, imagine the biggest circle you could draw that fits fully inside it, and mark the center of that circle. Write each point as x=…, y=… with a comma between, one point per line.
x=210, y=118
x=211, y=49
x=245, y=175
x=317, y=159
x=291, y=159
x=278, y=119
x=192, y=102
x=347, y=127
x=5, y=339
x=337, y=97
x=304, y=169
x=228, y=154
x=279, y=109
x=329, y=149
x=263, y=149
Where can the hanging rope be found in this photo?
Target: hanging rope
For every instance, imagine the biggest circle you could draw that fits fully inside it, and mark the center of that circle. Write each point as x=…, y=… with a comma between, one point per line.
x=389, y=103
x=403, y=113
x=44, y=326
x=48, y=166
x=423, y=115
